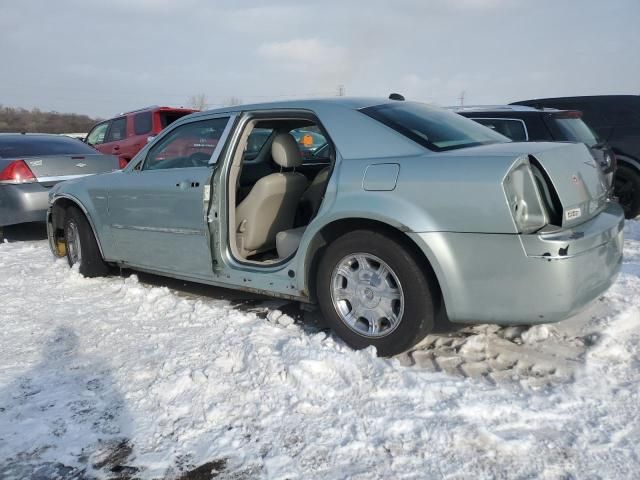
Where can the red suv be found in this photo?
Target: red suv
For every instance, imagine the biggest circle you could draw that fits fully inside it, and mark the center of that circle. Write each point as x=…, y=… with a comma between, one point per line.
x=126, y=134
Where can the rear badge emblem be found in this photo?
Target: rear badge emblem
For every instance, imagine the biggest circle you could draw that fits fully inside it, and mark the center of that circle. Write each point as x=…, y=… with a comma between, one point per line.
x=573, y=214
x=81, y=165
x=36, y=163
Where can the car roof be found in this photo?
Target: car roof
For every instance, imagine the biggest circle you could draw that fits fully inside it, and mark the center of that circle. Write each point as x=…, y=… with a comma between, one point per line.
x=352, y=103
x=580, y=97
x=502, y=109
x=153, y=108
x=26, y=134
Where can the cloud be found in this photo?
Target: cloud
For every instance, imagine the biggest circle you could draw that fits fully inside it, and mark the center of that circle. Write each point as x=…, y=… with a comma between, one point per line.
x=302, y=54
x=317, y=65
x=123, y=54
x=481, y=4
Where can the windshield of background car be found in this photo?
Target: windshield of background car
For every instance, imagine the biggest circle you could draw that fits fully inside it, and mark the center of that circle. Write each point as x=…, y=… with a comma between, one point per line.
x=309, y=138
x=432, y=127
x=257, y=138
x=572, y=128
x=31, y=146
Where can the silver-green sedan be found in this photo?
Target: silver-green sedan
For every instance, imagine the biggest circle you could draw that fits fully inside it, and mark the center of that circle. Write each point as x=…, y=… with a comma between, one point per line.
x=403, y=210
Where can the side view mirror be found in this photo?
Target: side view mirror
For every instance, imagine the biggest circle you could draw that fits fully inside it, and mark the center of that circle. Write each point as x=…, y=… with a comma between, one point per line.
x=150, y=138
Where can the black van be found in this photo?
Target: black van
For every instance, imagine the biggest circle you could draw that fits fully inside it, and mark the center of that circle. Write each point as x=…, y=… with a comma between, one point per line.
x=616, y=120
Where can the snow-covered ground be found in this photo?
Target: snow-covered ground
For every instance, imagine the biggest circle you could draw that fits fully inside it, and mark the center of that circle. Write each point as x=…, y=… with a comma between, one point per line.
x=121, y=378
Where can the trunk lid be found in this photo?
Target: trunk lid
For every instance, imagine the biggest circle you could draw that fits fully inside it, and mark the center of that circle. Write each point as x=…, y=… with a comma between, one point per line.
x=577, y=179
x=51, y=169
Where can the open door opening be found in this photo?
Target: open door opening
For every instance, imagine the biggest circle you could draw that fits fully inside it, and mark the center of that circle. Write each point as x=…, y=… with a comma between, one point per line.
x=277, y=181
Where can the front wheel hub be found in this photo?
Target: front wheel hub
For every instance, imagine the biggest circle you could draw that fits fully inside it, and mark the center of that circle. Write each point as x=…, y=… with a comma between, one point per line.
x=73, y=243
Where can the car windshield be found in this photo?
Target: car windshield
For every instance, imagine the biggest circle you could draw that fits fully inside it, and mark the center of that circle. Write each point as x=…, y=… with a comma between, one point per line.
x=432, y=127
x=575, y=130
x=35, y=146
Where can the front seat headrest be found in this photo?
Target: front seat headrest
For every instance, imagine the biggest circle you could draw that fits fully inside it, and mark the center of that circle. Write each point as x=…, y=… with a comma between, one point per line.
x=285, y=151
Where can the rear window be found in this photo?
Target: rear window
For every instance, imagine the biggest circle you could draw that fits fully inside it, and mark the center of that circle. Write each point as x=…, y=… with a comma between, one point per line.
x=167, y=118
x=512, y=128
x=573, y=129
x=34, y=146
x=432, y=127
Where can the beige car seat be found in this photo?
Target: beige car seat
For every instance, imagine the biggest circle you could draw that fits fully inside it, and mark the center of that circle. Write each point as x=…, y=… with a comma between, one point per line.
x=271, y=204
x=287, y=241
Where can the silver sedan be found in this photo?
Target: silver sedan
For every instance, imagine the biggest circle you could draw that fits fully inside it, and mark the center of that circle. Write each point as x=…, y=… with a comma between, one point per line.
x=30, y=164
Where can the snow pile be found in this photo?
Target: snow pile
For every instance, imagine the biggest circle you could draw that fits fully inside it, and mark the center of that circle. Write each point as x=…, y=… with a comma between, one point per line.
x=107, y=377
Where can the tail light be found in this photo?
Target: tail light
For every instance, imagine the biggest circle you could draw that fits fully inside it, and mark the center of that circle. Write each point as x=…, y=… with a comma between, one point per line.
x=17, y=172
x=122, y=163
x=525, y=198
x=548, y=192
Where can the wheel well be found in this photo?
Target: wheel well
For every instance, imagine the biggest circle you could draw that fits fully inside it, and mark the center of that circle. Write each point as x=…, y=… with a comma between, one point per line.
x=333, y=230
x=58, y=215
x=628, y=162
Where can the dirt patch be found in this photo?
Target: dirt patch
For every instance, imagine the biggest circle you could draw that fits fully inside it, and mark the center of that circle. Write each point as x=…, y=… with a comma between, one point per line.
x=206, y=471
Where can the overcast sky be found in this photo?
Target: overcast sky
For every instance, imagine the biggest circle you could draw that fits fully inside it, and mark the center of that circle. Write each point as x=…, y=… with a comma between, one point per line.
x=101, y=58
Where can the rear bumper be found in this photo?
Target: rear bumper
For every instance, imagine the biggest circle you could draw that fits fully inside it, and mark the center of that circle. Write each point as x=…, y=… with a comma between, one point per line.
x=23, y=203
x=526, y=279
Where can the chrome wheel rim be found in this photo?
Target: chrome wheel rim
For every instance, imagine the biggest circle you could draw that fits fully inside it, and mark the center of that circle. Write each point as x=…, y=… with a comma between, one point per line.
x=73, y=243
x=367, y=295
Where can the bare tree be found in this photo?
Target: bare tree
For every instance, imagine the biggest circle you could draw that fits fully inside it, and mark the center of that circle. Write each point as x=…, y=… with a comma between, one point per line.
x=35, y=120
x=198, y=101
x=232, y=101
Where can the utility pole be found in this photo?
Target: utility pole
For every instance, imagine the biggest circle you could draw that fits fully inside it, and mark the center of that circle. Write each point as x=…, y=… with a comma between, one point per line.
x=341, y=90
x=461, y=98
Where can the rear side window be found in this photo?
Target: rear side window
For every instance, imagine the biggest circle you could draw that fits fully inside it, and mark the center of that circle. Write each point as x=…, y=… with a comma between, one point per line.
x=509, y=127
x=572, y=129
x=118, y=130
x=432, y=127
x=34, y=146
x=622, y=116
x=167, y=118
x=142, y=123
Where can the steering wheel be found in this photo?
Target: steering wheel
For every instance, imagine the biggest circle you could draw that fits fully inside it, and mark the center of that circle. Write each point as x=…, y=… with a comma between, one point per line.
x=198, y=159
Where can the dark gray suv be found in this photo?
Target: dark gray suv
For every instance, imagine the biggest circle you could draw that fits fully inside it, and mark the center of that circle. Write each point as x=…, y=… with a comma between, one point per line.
x=527, y=124
x=616, y=120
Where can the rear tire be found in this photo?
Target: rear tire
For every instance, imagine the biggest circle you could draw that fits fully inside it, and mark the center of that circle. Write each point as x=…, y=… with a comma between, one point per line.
x=627, y=188
x=373, y=291
x=81, y=245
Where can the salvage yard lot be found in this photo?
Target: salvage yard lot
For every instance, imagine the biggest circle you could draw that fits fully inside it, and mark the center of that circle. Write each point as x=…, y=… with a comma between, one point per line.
x=122, y=377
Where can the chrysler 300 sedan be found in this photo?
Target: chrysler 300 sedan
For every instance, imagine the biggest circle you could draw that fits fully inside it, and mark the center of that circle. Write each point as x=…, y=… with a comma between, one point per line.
x=405, y=210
